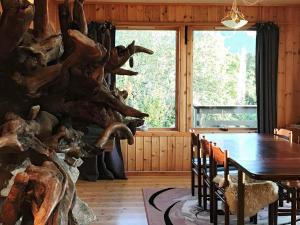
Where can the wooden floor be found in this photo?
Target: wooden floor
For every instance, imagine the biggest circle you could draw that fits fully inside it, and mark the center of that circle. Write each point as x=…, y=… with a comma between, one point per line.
x=120, y=202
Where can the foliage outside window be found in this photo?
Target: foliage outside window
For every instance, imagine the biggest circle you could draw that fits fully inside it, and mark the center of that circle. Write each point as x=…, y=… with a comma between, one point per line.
x=153, y=90
x=224, y=85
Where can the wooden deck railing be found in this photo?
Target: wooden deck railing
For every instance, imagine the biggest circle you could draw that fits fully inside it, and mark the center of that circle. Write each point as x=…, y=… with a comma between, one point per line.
x=242, y=116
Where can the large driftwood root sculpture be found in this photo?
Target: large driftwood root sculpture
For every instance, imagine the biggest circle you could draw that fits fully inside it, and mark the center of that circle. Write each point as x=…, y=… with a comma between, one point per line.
x=53, y=86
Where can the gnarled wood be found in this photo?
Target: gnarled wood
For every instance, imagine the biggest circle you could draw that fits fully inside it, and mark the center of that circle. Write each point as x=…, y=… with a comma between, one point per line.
x=42, y=28
x=53, y=88
x=17, y=15
x=79, y=17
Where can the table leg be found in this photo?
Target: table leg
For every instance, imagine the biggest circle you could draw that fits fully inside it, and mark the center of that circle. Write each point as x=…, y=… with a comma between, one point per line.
x=241, y=198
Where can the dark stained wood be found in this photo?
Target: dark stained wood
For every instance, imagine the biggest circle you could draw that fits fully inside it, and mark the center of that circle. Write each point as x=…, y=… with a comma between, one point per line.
x=262, y=157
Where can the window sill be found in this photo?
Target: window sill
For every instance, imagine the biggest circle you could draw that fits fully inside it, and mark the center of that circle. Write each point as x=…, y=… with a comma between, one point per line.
x=161, y=133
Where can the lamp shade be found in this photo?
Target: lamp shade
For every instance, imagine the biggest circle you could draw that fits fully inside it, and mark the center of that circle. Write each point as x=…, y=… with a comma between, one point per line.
x=234, y=19
x=228, y=22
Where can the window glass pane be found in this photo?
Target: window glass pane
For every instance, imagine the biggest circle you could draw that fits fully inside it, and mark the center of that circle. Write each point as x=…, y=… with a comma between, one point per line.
x=153, y=89
x=224, y=86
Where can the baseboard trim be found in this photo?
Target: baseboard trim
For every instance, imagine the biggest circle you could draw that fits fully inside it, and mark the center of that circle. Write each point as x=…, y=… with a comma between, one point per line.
x=158, y=173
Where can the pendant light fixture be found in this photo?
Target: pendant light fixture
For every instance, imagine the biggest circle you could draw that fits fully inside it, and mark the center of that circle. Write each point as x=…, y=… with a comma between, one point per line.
x=234, y=19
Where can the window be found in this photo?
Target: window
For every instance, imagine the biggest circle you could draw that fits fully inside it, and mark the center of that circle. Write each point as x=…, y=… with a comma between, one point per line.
x=153, y=89
x=224, y=86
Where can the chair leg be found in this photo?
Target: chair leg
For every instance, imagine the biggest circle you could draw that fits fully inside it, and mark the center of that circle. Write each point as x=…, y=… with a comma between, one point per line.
x=211, y=203
x=276, y=212
x=193, y=182
x=200, y=196
x=215, y=207
x=227, y=214
x=204, y=196
x=271, y=213
x=294, y=206
x=253, y=219
x=298, y=198
x=280, y=196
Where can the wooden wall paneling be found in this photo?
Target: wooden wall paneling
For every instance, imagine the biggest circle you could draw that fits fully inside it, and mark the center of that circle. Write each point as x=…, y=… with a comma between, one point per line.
x=281, y=84
x=155, y=154
x=171, y=13
x=188, y=15
x=124, y=153
x=265, y=13
x=297, y=88
x=131, y=157
x=179, y=16
x=189, y=82
x=296, y=75
x=132, y=13
x=100, y=13
x=186, y=154
x=289, y=73
x=163, y=13
x=179, y=153
x=171, y=153
x=147, y=153
x=181, y=82
x=212, y=15
x=281, y=17
x=199, y=13
x=115, y=12
x=252, y=14
x=139, y=153
x=155, y=13
x=123, y=11
x=163, y=154
x=90, y=12
x=140, y=13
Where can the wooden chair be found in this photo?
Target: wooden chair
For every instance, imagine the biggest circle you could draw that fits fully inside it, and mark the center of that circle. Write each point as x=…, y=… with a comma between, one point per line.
x=287, y=135
x=288, y=190
x=195, y=165
x=207, y=179
x=219, y=158
x=284, y=133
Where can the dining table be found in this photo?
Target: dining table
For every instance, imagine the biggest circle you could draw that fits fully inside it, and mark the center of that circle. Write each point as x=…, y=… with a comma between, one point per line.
x=261, y=157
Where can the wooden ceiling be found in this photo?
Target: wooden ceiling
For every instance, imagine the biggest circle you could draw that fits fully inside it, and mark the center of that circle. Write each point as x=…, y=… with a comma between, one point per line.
x=240, y=2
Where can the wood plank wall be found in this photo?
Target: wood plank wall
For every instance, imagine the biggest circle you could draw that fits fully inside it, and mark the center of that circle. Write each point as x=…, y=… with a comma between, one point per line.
x=168, y=151
x=158, y=151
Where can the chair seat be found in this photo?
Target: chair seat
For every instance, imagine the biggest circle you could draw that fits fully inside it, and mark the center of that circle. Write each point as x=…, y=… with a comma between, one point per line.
x=258, y=194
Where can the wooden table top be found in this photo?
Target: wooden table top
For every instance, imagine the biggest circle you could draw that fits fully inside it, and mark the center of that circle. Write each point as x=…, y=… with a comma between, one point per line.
x=264, y=157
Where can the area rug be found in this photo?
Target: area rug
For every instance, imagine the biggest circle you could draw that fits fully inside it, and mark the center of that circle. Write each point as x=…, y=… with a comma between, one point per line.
x=176, y=206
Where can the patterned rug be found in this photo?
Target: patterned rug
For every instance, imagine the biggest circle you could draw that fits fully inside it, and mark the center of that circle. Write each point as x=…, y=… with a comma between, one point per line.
x=176, y=206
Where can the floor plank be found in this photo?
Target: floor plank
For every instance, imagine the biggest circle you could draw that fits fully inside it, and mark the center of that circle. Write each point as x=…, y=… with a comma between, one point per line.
x=120, y=202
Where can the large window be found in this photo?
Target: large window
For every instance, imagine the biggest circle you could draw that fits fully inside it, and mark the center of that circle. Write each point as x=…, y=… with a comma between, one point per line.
x=224, y=86
x=153, y=89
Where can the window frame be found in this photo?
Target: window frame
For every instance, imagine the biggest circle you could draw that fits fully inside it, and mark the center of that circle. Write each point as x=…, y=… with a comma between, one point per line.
x=177, y=85
x=190, y=56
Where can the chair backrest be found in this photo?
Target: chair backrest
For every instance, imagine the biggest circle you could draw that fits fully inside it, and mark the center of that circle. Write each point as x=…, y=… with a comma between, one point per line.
x=284, y=133
x=194, y=138
x=220, y=158
x=195, y=144
x=205, y=146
